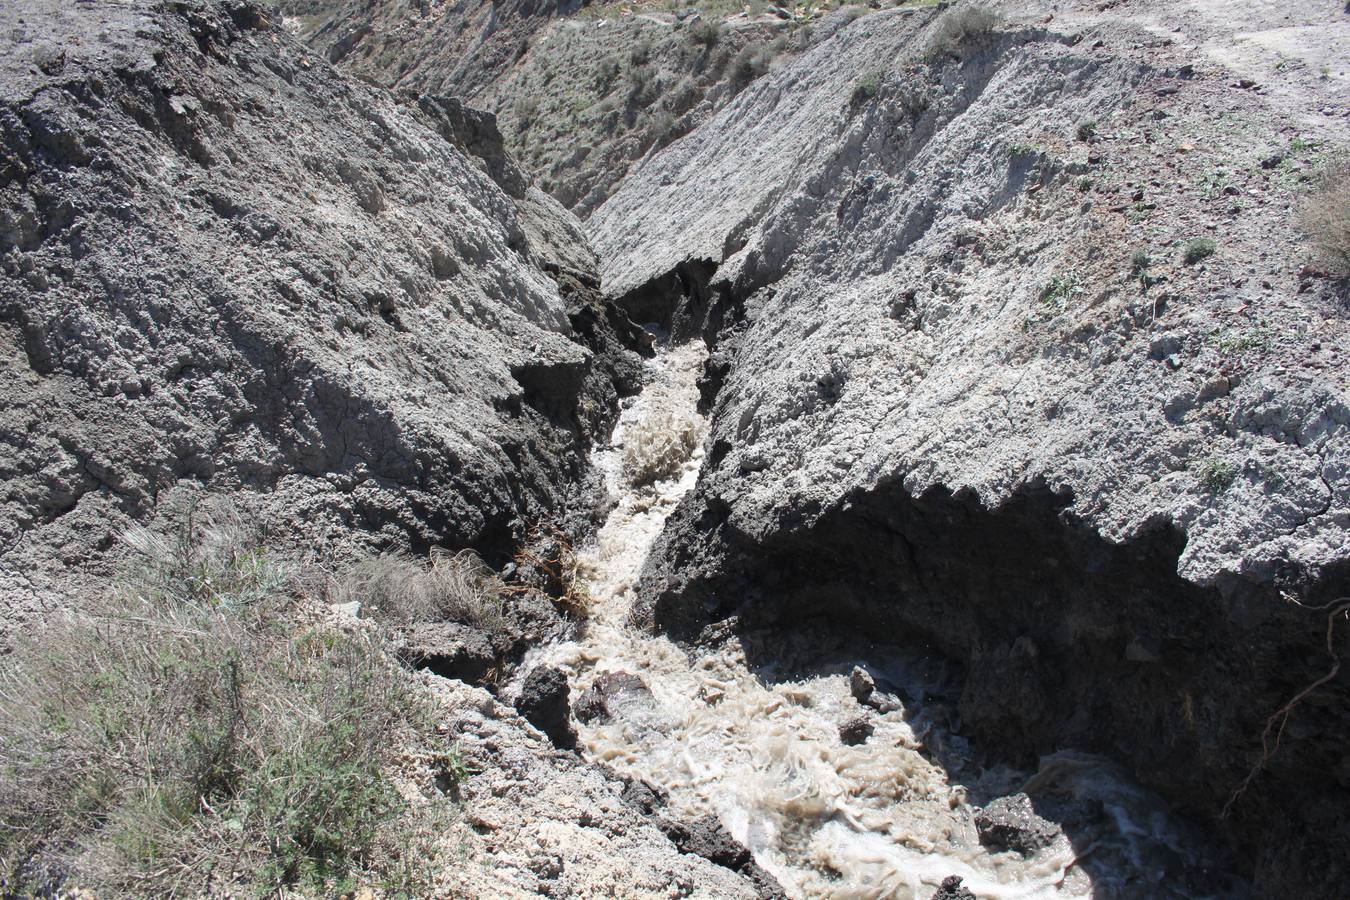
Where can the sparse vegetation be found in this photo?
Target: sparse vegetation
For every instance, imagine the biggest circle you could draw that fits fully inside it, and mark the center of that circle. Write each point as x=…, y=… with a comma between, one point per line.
x=963, y=24
x=1229, y=342
x=1216, y=475
x=865, y=88
x=1325, y=217
x=201, y=733
x=1140, y=261
x=705, y=33
x=1198, y=249
x=549, y=551
x=606, y=74
x=640, y=79
x=527, y=108
x=1087, y=130
x=749, y=63
x=1060, y=290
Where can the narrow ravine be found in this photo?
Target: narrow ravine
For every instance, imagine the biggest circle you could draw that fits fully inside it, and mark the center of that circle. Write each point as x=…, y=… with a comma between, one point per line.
x=890, y=816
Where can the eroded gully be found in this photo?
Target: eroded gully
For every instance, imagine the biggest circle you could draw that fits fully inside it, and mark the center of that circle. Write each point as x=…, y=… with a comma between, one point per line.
x=761, y=748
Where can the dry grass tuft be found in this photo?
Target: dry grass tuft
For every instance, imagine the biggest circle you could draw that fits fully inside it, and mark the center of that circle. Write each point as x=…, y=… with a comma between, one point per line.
x=1325, y=217
x=396, y=589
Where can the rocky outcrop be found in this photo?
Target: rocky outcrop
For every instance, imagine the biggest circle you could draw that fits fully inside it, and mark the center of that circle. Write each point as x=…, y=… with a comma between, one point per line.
x=224, y=264
x=705, y=837
x=555, y=826
x=971, y=387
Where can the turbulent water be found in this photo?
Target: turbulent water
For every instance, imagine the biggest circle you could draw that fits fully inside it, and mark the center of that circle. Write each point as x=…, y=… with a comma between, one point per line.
x=761, y=747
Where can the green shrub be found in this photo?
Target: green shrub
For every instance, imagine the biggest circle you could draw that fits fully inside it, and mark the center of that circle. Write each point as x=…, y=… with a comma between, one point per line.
x=1140, y=261
x=527, y=109
x=963, y=24
x=865, y=88
x=1086, y=130
x=1059, y=290
x=196, y=733
x=1198, y=249
x=748, y=64
x=705, y=33
x=1325, y=217
x=1216, y=475
x=606, y=74
x=640, y=79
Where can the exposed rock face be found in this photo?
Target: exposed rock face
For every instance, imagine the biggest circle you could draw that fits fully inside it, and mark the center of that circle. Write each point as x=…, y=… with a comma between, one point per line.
x=949, y=400
x=947, y=357
x=705, y=837
x=223, y=263
x=448, y=649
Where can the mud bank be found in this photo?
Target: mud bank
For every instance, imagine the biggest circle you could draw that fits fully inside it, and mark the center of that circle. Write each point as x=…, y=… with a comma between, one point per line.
x=1062, y=639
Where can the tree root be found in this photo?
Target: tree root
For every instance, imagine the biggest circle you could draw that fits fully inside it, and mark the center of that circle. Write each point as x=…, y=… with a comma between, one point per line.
x=1337, y=607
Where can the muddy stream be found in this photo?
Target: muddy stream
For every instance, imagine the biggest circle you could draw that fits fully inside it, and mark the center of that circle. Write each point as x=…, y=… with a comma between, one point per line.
x=761, y=749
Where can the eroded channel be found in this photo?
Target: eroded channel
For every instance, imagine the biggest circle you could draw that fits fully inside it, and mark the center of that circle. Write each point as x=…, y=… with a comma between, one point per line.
x=845, y=774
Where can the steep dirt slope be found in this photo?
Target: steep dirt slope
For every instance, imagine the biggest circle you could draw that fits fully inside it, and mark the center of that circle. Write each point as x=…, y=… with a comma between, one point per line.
x=581, y=92
x=986, y=384
x=225, y=264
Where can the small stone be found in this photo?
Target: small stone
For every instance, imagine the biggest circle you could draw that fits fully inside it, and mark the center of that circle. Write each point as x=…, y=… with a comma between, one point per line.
x=352, y=609
x=856, y=731
x=860, y=684
x=951, y=889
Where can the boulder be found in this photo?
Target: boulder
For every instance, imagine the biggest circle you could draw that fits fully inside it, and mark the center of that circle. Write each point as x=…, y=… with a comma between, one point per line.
x=542, y=700
x=860, y=684
x=610, y=690
x=1011, y=823
x=856, y=730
